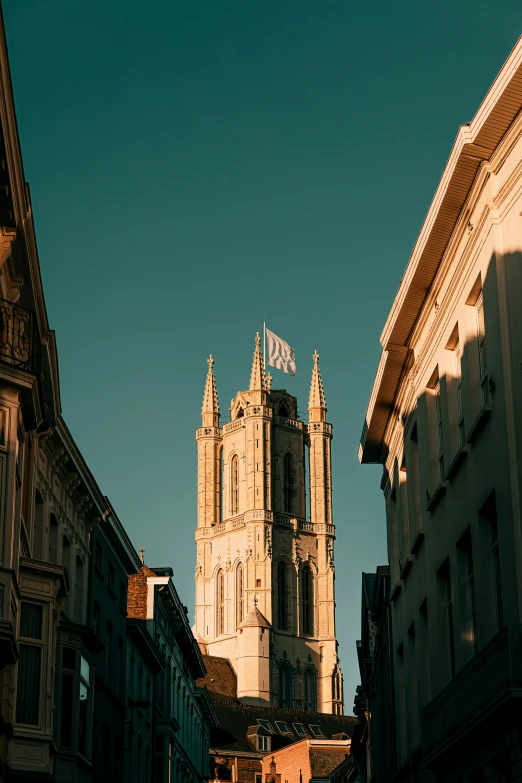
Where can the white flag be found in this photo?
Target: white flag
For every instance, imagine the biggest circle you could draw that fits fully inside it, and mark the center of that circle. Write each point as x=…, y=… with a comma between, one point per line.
x=279, y=353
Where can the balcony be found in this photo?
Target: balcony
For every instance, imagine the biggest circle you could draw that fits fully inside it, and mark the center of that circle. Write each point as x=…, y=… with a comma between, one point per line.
x=487, y=683
x=19, y=343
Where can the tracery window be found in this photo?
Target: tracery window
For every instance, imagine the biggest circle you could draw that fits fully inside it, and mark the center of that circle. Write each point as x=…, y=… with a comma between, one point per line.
x=310, y=691
x=307, y=602
x=282, y=595
x=220, y=602
x=234, y=485
x=240, y=600
x=288, y=483
x=286, y=697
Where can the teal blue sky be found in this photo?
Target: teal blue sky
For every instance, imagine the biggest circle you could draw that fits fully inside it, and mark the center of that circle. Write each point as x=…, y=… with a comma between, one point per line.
x=196, y=165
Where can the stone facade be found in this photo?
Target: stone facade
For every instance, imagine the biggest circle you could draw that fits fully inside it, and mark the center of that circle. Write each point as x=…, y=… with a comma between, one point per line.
x=265, y=573
x=444, y=421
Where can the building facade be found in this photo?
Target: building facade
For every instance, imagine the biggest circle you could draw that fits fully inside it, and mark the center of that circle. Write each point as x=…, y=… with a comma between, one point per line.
x=180, y=710
x=444, y=419
x=265, y=573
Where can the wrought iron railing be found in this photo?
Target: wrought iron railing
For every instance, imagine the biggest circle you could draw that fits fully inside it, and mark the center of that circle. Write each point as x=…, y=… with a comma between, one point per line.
x=486, y=679
x=19, y=343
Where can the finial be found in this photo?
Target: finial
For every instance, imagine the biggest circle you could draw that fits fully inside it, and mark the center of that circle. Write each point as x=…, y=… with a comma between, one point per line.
x=257, y=376
x=142, y=555
x=269, y=382
x=210, y=408
x=316, y=401
x=255, y=602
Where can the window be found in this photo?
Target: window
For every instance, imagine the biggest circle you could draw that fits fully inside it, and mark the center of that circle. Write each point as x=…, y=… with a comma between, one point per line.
x=240, y=598
x=110, y=582
x=263, y=742
x=98, y=557
x=83, y=711
x=445, y=579
x=29, y=664
x=286, y=700
x=458, y=383
x=288, y=483
x=234, y=485
x=283, y=727
x=67, y=701
x=220, y=603
x=465, y=546
x=300, y=730
x=108, y=651
x=266, y=725
x=310, y=691
x=489, y=513
x=96, y=618
x=123, y=597
x=440, y=442
x=259, y=778
x=307, y=601
x=53, y=539
x=483, y=362
x=282, y=595
x=316, y=730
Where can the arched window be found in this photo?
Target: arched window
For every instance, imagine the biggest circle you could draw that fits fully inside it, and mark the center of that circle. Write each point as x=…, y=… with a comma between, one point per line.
x=234, y=485
x=240, y=413
x=283, y=411
x=240, y=600
x=336, y=684
x=310, y=691
x=288, y=483
x=307, y=601
x=220, y=602
x=282, y=595
x=286, y=697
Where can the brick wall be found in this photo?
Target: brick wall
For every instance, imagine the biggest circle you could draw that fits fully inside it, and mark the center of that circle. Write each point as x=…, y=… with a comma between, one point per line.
x=137, y=594
x=292, y=763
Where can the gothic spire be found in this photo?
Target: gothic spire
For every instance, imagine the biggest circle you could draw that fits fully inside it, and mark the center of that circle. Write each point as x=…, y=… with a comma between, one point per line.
x=210, y=409
x=316, y=401
x=257, y=376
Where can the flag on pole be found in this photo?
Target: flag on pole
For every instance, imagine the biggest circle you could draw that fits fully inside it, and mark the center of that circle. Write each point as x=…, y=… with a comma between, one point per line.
x=279, y=353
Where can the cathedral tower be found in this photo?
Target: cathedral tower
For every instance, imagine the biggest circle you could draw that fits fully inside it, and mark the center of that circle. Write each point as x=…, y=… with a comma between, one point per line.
x=265, y=573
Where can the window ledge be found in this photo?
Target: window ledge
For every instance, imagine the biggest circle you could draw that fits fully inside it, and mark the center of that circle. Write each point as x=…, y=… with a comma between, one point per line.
x=417, y=541
x=397, y=587
x=437, y=495
x=479, y=423
x=456, y=462
x=406, y=568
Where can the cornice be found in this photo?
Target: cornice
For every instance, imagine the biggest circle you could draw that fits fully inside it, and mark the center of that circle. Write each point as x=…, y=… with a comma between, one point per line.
x=479, y=148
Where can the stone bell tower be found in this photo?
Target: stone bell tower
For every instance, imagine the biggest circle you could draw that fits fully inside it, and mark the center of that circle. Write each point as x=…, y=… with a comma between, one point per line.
x=265, y=573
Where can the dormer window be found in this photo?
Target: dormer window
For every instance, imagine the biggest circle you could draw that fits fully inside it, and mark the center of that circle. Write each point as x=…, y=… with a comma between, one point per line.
x=283, y=411
x=240, y=413
x=263, y=742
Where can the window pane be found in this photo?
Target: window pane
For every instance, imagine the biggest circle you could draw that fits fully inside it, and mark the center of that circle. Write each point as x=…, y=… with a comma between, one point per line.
x=28, y=694
x=85, y=670
x=31, y=621
x=69, y=658
x=66, y=716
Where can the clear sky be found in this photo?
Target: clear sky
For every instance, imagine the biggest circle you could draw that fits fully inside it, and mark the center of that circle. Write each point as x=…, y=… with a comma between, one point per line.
x=194, y=165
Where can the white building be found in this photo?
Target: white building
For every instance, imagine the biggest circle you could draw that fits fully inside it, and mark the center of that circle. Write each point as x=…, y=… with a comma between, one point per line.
x=265, y=573
x=445, y=421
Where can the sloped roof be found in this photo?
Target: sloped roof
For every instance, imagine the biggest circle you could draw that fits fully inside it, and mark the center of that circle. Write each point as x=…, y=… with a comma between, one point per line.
x=220, y=679
x=235, y=719
x=254, y=618
x=323, y=760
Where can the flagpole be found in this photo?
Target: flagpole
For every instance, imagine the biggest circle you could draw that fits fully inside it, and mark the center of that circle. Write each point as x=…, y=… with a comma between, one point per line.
x=264, y=343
